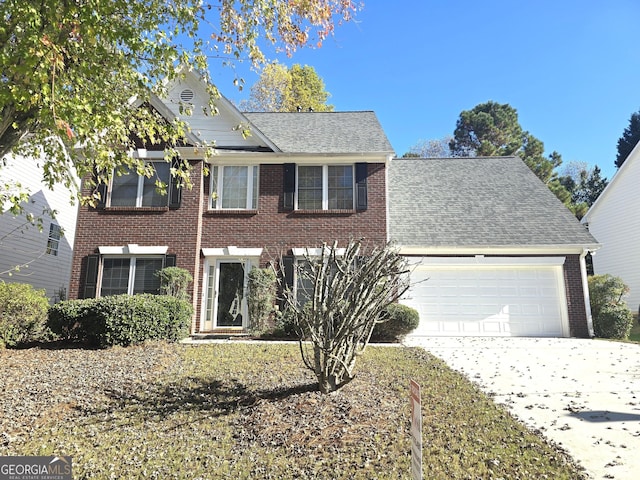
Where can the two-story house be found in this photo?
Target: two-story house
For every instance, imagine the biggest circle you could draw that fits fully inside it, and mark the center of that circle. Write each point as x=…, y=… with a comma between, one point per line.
x=298, y=180
x=493, y=250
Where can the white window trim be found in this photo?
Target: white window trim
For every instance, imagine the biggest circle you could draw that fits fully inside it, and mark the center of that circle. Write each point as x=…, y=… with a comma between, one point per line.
x=250, y=257
x=315, y=252
x=325, y=182
x=133, y=249
x=219, y=192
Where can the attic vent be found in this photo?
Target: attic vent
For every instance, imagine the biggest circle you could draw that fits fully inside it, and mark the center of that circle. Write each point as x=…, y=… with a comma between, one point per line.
x=186, y=95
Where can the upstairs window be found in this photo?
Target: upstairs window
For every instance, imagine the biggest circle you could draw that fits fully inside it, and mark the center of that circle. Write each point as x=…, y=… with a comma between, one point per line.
x=234, y=187
x=53, y=242
x=133, y=190
x=325, y=187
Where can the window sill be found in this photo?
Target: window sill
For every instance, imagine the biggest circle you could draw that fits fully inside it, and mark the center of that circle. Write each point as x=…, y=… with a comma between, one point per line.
x=324, y=212
x=136, y=209
x=213, y=213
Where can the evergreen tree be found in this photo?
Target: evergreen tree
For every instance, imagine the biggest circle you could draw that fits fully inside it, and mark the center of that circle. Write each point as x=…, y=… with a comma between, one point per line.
x=629, y=139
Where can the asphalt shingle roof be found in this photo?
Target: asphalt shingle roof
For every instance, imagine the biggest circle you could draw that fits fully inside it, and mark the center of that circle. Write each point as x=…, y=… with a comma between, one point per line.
x=469, y=202
x=323, y=132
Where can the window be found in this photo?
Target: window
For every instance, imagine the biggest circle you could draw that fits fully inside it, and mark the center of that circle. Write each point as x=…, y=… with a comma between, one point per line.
x=304, y=282
x=304, y=261
x=133, y=190
x=234, y=187
x=53, y=242
x=326, y=187
x=130, y=275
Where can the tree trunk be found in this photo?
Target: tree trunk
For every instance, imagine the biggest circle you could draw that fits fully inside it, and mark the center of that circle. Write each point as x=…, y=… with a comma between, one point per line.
x=14, y=127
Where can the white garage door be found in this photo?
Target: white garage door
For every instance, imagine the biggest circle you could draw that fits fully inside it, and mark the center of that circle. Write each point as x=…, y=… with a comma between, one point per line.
x=489, y=297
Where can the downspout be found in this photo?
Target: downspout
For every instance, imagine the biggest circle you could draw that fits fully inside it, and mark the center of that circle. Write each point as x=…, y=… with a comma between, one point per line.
x=386, y=196
x=585, y=290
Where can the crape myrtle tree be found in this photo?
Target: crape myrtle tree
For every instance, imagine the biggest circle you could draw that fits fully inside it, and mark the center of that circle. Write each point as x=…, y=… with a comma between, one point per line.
x=70, y=69
x=346, y=292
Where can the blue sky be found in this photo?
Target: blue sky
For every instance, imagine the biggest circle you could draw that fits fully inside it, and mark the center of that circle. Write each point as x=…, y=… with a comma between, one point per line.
x=570, y=68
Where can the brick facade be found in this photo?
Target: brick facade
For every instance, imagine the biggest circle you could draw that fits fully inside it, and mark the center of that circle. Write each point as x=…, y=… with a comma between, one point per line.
x=193, y=226
x=575, y=297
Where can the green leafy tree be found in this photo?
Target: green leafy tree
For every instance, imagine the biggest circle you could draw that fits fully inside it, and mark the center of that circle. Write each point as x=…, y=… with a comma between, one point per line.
x=282, y=89
x=70, y=69
x=629, y=139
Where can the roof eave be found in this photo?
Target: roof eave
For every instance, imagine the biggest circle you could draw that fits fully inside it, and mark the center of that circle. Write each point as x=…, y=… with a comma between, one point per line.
x=566, y=249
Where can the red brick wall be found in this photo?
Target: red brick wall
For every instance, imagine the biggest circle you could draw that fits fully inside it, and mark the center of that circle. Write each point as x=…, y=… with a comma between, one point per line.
x=279, y=231
x=575, y=297
x=188, y=229
x=144, y=226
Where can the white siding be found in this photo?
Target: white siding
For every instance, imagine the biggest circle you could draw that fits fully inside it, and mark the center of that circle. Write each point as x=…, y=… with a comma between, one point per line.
x=615, y=223
x=219, y=129
x=24, y=244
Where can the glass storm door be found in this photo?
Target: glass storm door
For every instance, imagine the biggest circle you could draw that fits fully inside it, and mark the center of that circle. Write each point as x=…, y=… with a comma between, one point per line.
x=230, y=293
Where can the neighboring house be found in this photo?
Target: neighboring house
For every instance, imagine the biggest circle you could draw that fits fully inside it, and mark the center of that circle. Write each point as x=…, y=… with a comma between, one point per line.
x=495, y=253
x=614, y=219
x=299, y=179
x=41, y=258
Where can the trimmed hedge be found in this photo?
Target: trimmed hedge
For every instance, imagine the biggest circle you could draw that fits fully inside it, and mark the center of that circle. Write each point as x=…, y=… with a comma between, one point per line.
x=400, y=321
x=23, y=314
x=611, y=315
x=122, y=319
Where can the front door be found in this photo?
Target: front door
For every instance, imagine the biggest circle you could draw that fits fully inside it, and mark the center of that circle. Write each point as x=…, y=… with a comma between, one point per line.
x=225, y=305
x=230, y=289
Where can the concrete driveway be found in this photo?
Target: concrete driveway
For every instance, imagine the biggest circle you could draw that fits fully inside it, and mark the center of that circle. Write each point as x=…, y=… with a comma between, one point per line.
x=581, y=394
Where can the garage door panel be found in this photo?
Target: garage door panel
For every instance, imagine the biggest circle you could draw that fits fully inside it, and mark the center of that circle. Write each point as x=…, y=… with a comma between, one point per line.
x=505, y=300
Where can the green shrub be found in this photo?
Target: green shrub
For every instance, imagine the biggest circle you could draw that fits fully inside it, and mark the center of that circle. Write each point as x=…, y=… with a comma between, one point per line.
x=23, y=314
x=65, y=319
x=261, y=298
x=399, y=320
x=174, y=282
x=177, y=322
x=611, y=316
x=613, y=321
x=122, y=319
x=286, y=325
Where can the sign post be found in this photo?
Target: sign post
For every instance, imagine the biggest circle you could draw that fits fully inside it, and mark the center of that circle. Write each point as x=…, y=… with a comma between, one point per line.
x=416, y=431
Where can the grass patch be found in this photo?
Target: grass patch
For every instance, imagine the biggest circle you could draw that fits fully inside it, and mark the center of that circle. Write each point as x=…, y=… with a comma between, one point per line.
x=251, y=411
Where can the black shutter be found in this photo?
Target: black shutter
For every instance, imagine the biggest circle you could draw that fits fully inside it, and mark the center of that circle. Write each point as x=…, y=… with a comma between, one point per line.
x=287, y=267
x=175, y=190
x=91, y=277
x=101, y=190
x=169, y=261
x=289, y=174
x=361, y=186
